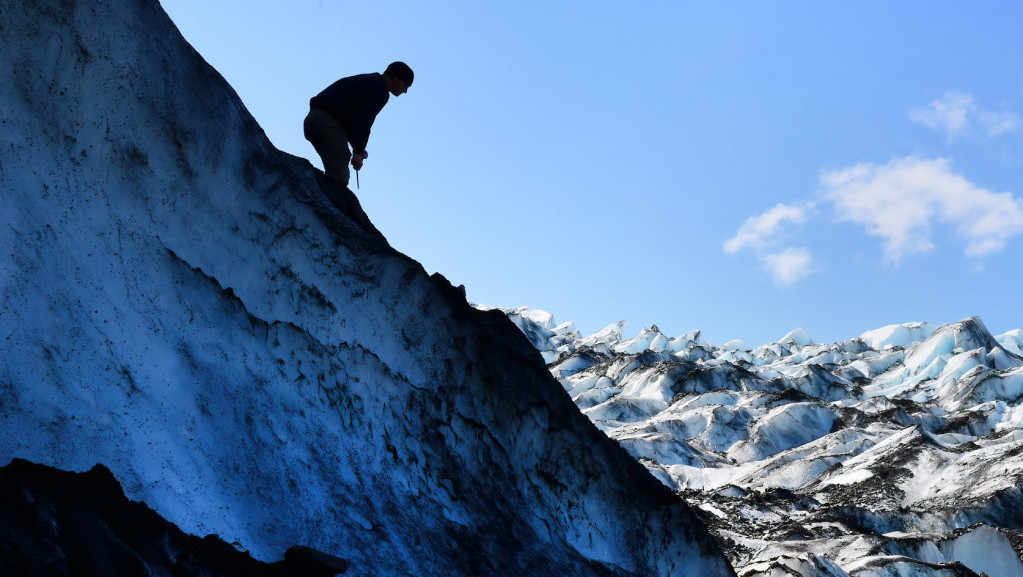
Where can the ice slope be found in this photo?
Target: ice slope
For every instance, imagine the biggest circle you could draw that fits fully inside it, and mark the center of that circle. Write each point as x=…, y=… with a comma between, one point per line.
x=183, y=305
x=899, y=452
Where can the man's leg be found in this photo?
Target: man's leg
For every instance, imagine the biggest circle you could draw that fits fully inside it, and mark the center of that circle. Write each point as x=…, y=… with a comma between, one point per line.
x=329, y=139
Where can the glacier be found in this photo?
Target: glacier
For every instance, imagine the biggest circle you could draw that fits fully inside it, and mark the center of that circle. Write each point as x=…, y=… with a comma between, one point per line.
x=183, y=305
x=895, y=453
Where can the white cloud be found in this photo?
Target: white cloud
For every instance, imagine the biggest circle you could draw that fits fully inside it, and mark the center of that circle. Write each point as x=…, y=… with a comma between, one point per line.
x=955, y=113
x=762, y=230
x=950, y=114
x=996, y=123
x=789, y=266
x=904, y=200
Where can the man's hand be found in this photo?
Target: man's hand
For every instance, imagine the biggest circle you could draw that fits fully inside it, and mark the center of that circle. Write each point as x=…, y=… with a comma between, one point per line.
x=358, y=158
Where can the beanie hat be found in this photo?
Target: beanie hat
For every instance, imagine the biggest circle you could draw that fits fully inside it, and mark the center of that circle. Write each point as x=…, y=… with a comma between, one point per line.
x=401, y=71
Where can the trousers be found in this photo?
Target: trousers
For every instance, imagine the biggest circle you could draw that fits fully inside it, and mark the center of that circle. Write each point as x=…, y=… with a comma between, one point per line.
x=330, y=140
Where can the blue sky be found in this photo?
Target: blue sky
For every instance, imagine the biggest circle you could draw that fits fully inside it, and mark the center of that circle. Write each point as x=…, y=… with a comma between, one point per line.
x=744, y=168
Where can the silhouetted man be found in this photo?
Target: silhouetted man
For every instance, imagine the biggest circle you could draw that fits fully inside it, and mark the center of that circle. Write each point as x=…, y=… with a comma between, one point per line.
x=343, y=115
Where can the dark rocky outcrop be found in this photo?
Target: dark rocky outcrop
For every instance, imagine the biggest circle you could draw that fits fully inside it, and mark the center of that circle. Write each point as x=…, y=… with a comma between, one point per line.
x=57, y=523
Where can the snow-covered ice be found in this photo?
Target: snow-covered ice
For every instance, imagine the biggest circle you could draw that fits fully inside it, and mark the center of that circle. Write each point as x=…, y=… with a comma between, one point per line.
x=182, y=304
x=899, y=452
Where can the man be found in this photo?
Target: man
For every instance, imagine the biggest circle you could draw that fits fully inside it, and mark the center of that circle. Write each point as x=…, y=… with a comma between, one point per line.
x=343, y=115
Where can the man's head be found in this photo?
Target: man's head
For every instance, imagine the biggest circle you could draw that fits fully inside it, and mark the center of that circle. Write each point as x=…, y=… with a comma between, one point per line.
x=398, y=77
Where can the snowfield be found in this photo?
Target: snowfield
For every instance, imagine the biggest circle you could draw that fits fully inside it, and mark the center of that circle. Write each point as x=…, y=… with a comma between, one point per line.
x=896, y=453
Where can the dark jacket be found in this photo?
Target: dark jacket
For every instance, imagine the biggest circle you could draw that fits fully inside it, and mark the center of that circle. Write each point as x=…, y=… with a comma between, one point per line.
x=355, y=102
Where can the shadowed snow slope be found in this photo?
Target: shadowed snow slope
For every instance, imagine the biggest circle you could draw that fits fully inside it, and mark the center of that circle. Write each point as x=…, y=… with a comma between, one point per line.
x=183, y=305
x=896, y=453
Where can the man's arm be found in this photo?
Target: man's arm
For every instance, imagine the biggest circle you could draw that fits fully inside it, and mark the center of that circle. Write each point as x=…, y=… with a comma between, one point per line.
x=371, y=101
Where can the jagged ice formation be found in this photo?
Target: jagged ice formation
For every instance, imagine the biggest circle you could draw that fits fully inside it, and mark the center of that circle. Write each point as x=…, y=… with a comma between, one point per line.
x=896, y=453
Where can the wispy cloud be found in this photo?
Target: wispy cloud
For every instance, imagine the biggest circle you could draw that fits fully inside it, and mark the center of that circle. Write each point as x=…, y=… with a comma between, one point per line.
x=955, y=114
x=765, y=232
x=904, y=200
x=907, y=202
x=789, y=266
x=996, y=123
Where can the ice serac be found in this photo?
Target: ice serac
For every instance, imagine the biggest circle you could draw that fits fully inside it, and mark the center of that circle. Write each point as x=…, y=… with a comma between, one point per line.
x=183, y=305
